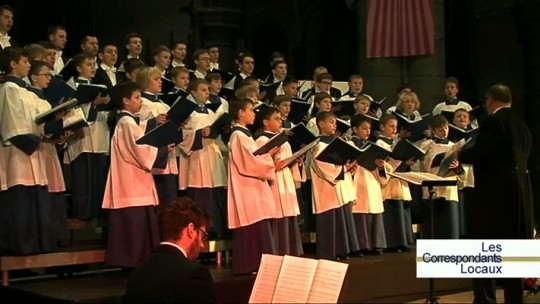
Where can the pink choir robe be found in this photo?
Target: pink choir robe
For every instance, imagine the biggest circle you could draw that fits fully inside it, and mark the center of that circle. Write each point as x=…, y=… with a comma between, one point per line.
x=283, y=186
x=368, y=190
x=17, y=112
x=151, y=110
x=432, y=149
x=250, y=198
x=395, y=188
x=202, y=168
x=329, y=193
x=53, y=168
x=130, y=182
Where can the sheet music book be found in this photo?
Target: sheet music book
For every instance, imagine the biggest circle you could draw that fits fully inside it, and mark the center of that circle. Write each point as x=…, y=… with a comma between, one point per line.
x=291, y=279
x=405, y=150
x=299, y=109
x=86, y=93
x=170, y=99
x=74, y=119
x=166, y=85
x=339, y=152
x=57, y=91
x=181, y=110
x=276, y=141
x=448, y=157
x=212, y=106
x=370, y=153
x=300, y=152
x=456, y=133
x=46, y=116
x=301, y=136
x=416, y=127
x=342, y=126
x=376, y=104
x=424, y=178
x=343, y=107
x=163, y=135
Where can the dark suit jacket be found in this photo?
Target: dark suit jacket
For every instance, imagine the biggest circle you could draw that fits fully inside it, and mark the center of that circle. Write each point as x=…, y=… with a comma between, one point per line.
x=503, y=204
x=334, y=92
x=167, y=276
x=102, y=77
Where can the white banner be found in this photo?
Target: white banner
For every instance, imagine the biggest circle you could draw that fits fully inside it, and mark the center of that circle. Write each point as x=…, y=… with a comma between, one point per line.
x=478, y=259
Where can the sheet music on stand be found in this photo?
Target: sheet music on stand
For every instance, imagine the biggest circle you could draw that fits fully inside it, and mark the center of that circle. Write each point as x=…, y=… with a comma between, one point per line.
x=425, y=179
x=289, y=279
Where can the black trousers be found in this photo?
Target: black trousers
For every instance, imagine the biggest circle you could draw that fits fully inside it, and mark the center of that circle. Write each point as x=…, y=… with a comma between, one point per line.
x=484, y=290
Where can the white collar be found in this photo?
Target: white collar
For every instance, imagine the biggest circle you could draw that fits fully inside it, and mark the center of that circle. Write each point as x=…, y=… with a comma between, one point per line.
x=175, y=245
x=496, y=110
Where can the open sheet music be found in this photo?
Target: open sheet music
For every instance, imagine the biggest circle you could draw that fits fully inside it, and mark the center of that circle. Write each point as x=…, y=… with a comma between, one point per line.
x=291, y=279
x=419, y=178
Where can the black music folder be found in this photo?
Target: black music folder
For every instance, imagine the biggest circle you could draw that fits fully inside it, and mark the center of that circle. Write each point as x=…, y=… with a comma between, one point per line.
x=339, y=152
x=86, y=93
x=163, y=135
x=370, y=153
x=181, y=110
x=299, y=109
x=57, y=91
x=405, y=150
x=416, y=127
x=65, y=106
x=276, y=141
x=300, y=136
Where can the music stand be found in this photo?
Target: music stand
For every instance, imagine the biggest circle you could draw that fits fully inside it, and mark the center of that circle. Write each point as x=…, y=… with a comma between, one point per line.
x=430, y=181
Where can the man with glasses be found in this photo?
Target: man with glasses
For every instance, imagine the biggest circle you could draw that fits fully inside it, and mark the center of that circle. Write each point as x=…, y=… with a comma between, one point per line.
x=170, y=274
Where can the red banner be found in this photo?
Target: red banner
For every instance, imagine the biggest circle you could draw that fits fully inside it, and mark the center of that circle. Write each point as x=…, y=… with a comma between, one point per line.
x=399, y=28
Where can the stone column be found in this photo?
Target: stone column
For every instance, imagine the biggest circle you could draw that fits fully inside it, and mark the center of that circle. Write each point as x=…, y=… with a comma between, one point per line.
x=527, y=13
x=425, y=73
x=219, y=26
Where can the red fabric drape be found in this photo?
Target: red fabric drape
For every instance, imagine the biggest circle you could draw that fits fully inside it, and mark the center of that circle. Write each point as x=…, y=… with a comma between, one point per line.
x=399, y=28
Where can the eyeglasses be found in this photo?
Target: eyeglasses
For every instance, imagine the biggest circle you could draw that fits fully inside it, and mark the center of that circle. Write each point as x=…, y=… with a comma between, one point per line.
x=48, y=75
x=205, y=234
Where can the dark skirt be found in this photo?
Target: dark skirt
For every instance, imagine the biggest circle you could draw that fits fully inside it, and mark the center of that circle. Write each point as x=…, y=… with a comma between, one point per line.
x=27, y=221
x=133, y=235
x=307, y=218
x=59, y=211
x=249, y=244
x=466, y=199
x=445, y=220
x=166, y=185
x=88, y=179
x=214, y=202
x=336, y=233
x=287, y=236
x=395, y=224
x=370, y=230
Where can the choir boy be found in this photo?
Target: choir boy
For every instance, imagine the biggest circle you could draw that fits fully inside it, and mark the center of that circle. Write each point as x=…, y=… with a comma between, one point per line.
x=396, y=194
x=368, y=210
x=250, y=199
x=462, y=120
x=285, y=225
x=283, y=104
x=445, y=198
x=356, y=85
x=106, y=73
x=162, y=58
x=134, y=48
x=87, y=152
x=201, y=61
x=333, y=196
x=451, y=89
x=202, y=170
x=153, y=111
x=40, y=75
x=26, y=219
x=214, y=86
x=130, y=193
x=180, y=78
x=323, y=103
